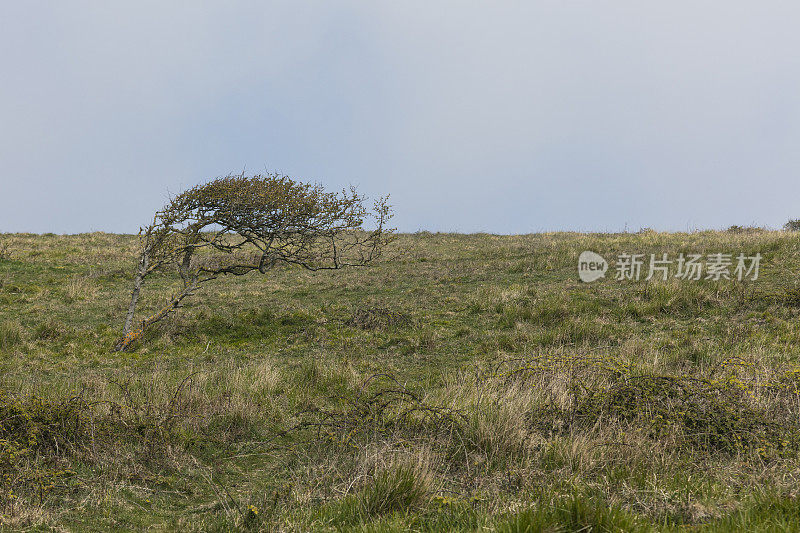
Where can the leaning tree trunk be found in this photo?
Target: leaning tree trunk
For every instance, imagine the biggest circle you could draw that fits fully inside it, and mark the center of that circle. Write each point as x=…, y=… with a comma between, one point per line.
x=130, y=337
x=137, y=287
x=190, y=283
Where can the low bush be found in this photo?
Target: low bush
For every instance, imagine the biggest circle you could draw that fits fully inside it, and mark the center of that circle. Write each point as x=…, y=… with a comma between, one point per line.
x=725, y=411
x=34, y=435
x=744, y=230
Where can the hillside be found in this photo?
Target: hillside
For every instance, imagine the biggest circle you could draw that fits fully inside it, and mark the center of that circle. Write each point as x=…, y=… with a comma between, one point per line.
x=468, y=382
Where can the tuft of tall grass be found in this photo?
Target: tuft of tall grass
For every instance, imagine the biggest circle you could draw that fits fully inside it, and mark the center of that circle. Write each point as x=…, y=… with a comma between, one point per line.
x=576, y=514
x=11, y=335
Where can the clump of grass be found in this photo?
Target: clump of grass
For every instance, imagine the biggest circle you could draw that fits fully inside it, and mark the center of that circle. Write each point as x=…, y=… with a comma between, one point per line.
x=11, y=335
x=50, y=330
x=765, y=511
x=79, y=289
x=6, y=251
x=574, y=514
x=791, y=296
x=399, y=488
x=376, y=317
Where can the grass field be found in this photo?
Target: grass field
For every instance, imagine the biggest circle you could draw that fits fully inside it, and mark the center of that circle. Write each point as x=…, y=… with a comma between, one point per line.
x=467, y=383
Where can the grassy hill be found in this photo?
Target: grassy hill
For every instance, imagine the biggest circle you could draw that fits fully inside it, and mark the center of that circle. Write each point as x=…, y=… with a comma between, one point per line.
x=469, y=382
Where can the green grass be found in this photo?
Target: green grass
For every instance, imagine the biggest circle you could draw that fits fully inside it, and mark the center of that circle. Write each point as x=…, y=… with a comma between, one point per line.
x=468, y=383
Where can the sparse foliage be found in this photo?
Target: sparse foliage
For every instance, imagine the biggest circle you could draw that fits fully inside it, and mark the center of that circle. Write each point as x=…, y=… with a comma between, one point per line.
x=792, y=225
x=238, y=224
x=744, y=230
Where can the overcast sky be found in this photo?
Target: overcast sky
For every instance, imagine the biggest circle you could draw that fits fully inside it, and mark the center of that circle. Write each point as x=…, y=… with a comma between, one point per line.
x=475, y=116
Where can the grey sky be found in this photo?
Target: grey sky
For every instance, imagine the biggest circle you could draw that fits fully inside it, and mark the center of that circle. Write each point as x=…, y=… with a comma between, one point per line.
x=502, y=117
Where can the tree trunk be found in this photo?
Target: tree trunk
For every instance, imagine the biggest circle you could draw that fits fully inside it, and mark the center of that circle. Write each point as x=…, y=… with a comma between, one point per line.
x=137, y=287
x=132, y=336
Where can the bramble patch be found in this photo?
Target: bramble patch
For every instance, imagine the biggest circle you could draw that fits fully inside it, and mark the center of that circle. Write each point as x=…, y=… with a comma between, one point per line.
x=31, y=427
x=709, y=413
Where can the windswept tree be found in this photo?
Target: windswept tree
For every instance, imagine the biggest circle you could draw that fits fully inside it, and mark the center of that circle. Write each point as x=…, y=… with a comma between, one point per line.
x=237, y=224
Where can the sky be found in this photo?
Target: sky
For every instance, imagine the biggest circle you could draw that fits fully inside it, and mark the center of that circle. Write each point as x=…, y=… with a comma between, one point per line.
x=499, y=117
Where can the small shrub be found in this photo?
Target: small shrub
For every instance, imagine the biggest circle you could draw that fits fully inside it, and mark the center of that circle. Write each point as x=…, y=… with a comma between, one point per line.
x=32, y=429
x=744, y=230
x=704, y=414
x=707, y=413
